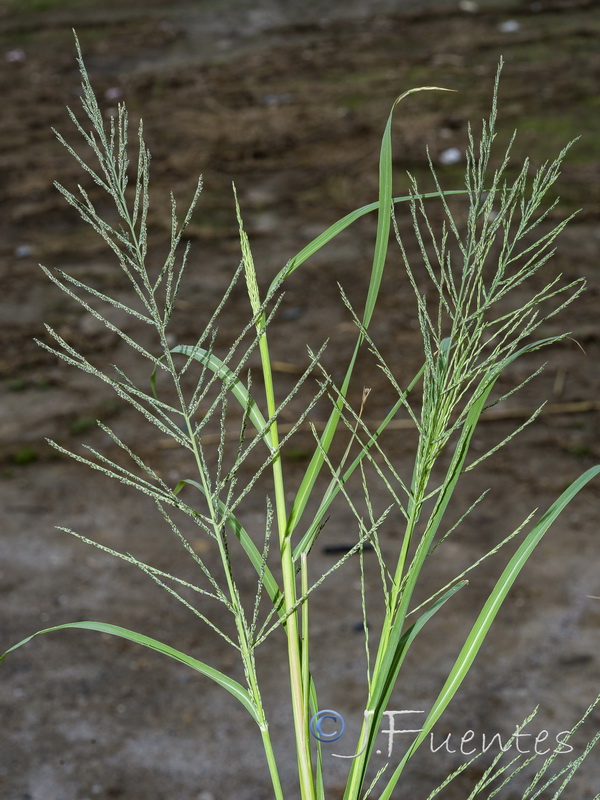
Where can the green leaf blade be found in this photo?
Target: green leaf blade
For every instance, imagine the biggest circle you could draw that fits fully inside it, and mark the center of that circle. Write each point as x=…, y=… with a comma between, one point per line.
x=239, y=391
x=232, y=686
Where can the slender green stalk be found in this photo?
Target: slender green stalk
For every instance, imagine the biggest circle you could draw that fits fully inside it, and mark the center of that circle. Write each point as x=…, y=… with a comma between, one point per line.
x=297, y=678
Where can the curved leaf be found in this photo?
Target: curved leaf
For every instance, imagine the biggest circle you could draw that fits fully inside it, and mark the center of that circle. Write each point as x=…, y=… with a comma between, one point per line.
x=233, y=687
x=384, y=208
x=239, y=391
x=333, y=230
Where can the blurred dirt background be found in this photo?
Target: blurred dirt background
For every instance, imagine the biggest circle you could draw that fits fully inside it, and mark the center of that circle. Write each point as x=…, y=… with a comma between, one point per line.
x=289, y=99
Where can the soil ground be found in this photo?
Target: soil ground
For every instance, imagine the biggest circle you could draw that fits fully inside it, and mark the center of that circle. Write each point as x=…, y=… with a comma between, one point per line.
x=288, y=99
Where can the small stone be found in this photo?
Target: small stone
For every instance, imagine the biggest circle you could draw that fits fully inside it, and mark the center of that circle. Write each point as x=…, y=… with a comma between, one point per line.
x=114, y=93
x=450, y=156
x=263, y=223
x=290, y=314
x=510, y=26
x=468, y=6
x=23, y=250
x=15, y=55
x=277, y=99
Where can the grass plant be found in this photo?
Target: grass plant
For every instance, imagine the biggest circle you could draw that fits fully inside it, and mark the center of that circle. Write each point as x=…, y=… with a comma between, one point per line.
x=475, y=321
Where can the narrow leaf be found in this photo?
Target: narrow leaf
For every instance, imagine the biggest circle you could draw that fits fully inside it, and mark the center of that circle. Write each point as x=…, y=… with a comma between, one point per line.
x=239, y=391
x=233, y=687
